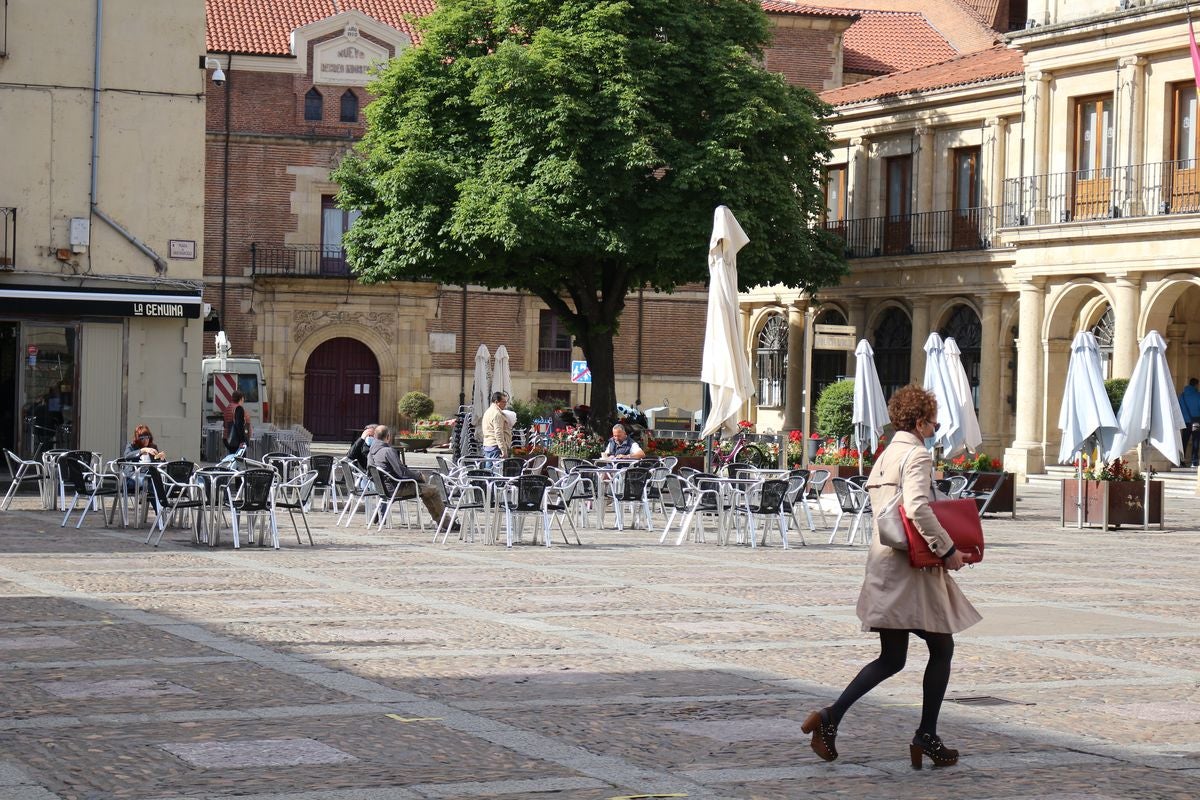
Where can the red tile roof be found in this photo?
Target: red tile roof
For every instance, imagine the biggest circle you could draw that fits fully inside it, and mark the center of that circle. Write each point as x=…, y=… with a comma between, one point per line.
x=985, y=10
x=787, y=7
x=986, y=65
x=263, y=27
x=883, y=41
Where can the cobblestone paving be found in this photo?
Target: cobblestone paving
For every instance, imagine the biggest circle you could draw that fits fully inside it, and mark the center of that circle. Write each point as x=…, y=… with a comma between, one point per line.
x=377, y=666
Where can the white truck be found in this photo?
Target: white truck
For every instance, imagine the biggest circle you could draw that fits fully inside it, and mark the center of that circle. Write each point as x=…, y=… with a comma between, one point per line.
x=223, y=374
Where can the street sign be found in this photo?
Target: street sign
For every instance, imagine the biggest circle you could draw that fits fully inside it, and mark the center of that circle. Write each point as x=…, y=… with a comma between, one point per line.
x=580, y=372
x=834, y=337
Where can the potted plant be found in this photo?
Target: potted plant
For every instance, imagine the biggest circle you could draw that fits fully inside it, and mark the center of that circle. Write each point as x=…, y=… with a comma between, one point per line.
x=690, y=452
x=574, y=442
x=990, y=473
x=436, y=427
x=1111, y=494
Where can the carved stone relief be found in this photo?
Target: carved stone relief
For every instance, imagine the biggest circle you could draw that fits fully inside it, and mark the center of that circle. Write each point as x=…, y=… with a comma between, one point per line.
x=305, y=322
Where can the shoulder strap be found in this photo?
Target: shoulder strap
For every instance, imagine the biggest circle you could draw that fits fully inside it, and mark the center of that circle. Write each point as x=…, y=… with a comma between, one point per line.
x=904, y=464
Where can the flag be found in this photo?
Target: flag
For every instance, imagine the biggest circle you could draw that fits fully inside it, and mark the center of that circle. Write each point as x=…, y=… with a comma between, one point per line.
x=1195, y=52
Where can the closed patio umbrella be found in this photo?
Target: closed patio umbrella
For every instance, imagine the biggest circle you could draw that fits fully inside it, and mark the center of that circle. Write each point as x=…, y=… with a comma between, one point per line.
x=1150, y=411
x=723, y=365
x=482, y=383
x=971, y=435
x=938, y=381
x=501, y=377
x=1086, y=419
x=870, y=408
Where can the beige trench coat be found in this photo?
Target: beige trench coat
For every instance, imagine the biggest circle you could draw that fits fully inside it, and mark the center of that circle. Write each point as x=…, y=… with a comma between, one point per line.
x=894, y=595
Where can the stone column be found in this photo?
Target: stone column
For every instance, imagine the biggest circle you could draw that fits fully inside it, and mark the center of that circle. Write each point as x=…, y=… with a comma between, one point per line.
x=920, y=332
x=994, y=175
x=1132, y=87
x=925, y=165
x=991, y=394
x=1126, y=306
x=1037, y=119
x=1026, y=454
x=793, y=409
x=857, y=204
x=856, y=315
x=1056, y=358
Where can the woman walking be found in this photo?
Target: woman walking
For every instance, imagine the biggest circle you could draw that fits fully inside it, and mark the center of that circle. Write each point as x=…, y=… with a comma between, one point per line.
x=896, y=599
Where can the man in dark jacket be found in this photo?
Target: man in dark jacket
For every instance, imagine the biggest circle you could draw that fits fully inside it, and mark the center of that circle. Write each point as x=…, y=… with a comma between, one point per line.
x=385, y=457
x=361, y=449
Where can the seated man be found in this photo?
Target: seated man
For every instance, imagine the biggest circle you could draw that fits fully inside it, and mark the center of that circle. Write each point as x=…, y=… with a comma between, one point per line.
x=384, y=456
x=621, y=446
x=361, y=449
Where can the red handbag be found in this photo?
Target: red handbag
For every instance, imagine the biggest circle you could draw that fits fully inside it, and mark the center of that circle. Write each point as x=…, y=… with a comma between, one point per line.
x=960, y=518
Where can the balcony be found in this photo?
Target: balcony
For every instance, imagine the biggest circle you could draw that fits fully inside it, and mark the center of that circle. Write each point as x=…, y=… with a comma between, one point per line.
x=1138, y=190
x=554, y=359
x=298, y=261
x=8, y=238
x=917, y=234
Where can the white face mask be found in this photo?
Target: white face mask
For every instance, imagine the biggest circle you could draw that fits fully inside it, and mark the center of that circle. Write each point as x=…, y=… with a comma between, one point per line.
x=370, y=440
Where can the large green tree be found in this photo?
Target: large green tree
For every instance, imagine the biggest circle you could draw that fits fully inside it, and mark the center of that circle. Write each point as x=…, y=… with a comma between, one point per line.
x=576, y=149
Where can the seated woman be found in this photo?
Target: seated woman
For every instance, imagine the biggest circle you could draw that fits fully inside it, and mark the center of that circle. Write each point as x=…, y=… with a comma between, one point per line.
x=621, y=447
x=143, y=446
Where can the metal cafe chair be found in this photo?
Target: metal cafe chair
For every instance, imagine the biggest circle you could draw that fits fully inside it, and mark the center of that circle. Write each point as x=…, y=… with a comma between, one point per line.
x=21, y=470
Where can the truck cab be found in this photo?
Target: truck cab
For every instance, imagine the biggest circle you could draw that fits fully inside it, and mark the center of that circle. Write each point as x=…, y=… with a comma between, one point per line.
x=223, y=374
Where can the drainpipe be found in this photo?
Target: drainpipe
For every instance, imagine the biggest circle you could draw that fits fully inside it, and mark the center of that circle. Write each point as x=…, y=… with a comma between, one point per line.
x=225, y=186
x=160, y=264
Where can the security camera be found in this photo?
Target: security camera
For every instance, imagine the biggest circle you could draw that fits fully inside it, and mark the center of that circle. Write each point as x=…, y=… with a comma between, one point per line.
x=219, y=77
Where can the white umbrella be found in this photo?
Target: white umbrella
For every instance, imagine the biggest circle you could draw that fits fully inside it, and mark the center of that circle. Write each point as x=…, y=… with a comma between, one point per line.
x=938, y=381
x=480, y=393
x=501, y=376
x=870, y=408
x=723, y=365
x=1150, y=410
x=971, y=435
x=1086, y=418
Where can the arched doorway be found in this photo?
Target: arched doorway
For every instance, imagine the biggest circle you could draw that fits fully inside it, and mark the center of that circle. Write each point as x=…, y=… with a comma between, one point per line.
x=828, y=366
x=963, y=326
x=1105, y=331
x=893, y=350
x=341, y=389
x=772, y=358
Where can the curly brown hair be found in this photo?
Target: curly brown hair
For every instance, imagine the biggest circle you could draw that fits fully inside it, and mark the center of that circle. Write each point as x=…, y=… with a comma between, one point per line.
x=909, y=405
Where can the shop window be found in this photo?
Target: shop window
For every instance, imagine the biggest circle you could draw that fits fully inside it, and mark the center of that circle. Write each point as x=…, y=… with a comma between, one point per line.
x=554, y=344
x=893, y=350
x=314, y=106
x=349, y=106
x=964, y=327
x=772, y=362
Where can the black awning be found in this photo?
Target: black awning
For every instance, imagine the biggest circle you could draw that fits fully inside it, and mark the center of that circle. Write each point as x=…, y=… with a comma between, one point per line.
x=94, y=302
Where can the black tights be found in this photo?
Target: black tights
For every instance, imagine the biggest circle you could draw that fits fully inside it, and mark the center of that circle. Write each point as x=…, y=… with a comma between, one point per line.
x=893, y=646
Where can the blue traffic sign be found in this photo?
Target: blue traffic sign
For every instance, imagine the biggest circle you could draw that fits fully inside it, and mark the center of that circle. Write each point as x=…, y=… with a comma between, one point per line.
x=580, y=372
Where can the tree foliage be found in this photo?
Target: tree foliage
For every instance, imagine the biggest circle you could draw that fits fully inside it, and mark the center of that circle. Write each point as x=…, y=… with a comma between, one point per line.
x=576, y=149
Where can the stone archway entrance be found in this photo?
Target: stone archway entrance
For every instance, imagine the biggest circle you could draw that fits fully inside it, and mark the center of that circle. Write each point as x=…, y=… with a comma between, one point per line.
x=341, y=389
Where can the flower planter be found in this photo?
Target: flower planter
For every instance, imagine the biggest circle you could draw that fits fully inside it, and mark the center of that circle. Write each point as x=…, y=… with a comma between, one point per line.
x=414, y=444
x=438, y=436
x=1111, y=503
x=839, y=471
x=695, y=462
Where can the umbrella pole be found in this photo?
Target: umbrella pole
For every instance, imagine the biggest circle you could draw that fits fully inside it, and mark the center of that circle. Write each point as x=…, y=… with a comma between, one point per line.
x=1146, y=482
x=1079, y=490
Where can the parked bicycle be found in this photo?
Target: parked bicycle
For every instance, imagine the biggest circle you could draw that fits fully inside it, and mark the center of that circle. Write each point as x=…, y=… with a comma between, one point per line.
x=741, y=450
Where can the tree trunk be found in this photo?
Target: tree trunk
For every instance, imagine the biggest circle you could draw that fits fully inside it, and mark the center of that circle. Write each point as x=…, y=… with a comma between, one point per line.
x=597, y=344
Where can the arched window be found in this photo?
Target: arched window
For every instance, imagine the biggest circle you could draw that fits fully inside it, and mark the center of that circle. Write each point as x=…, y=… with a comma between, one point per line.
x=314, y=105
x=963, y=326
x=772, y=361
x=893, y=350
x=828, y=366
x=1105, y=331
x=349, y=106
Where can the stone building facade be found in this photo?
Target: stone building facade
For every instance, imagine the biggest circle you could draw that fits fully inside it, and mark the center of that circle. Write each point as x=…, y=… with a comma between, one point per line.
x=101, y=222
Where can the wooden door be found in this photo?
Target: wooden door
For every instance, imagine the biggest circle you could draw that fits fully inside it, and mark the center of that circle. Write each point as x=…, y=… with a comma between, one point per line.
x=1092, y=190
x=964, y=222
x=897, y=226
x=1184, y=178
x=341, y=390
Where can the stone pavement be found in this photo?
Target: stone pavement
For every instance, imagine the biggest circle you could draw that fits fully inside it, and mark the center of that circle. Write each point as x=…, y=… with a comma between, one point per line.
x=376, y=666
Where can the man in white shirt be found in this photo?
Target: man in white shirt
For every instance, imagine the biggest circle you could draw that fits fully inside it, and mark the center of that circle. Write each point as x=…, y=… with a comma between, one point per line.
x=497, y=430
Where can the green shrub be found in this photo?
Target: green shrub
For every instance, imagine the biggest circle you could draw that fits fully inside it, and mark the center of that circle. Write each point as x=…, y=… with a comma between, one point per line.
x=1116, y=391
x=835, y=409
x=416, y=405
x=529, y=410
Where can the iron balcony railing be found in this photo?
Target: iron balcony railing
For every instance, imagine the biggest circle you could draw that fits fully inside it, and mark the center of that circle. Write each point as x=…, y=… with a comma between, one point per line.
x=299, y=261
x=8, y=238
x=913, y=234
x=554, y=359
x=1138, y=190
